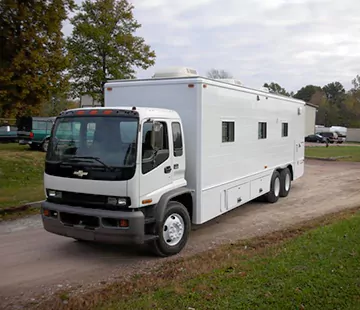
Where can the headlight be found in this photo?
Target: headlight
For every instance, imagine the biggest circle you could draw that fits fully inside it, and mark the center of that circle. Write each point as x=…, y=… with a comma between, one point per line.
x=117, y=201
x=54, y=194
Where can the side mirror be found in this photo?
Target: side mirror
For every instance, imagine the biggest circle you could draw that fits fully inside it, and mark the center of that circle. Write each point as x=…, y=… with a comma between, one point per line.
x=157, y=137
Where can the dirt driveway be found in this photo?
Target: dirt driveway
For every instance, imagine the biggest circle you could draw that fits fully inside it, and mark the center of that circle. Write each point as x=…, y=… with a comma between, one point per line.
x=34, y=263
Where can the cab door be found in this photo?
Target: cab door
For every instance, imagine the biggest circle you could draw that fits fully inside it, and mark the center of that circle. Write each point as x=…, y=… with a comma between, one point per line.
x=156, y=166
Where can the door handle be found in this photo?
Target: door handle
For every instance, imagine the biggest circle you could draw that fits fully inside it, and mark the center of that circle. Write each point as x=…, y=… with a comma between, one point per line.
x=167, y=169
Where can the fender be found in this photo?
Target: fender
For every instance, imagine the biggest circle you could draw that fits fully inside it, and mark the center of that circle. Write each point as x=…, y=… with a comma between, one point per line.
x=164, y=200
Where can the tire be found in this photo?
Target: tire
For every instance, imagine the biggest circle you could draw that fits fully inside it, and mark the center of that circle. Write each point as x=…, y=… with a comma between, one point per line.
x=34, y=147
x=175, y=215
x=45, y=145
x=285, y=182
x=273, y=195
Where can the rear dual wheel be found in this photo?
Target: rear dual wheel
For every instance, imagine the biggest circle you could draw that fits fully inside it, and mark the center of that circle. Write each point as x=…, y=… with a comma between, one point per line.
x=285, y=182
x=273, y=195
x=280, y=185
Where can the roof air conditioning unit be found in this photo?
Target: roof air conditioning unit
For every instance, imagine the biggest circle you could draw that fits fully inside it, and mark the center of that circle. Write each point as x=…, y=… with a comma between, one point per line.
x=231, y=81
x=173, y=72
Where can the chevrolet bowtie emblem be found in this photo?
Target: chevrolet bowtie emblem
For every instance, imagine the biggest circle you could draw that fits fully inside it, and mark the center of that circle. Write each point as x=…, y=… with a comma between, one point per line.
x=80, y=173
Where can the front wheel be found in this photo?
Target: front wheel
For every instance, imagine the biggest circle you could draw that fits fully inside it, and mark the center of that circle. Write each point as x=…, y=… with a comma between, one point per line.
x=172, y=231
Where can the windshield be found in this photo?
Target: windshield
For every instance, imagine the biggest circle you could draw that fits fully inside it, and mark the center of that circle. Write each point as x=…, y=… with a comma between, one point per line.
x=108, y=141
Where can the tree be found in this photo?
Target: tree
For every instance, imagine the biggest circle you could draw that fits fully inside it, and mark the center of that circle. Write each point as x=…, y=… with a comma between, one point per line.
x=276, y=88
x=103, y=46
x=356, y=84
x=334, y=91
x=305, y=93
x=33, y=59
x=219, y=74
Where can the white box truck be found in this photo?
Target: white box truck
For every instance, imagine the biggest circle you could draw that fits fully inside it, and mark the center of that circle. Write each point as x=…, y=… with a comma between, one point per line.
x=165, y=153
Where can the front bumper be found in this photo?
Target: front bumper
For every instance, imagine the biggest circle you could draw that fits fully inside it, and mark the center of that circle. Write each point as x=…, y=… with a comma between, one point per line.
x=93, y=224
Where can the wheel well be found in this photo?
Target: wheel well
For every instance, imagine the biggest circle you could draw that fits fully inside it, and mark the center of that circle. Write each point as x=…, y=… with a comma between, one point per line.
x=290, y=167
x=187, y=201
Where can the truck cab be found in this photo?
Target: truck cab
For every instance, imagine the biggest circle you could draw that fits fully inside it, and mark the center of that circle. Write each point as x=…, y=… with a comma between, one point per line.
x=116, y=175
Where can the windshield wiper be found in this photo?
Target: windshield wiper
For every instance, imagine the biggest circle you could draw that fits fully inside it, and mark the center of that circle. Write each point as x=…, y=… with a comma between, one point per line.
x=86, y=158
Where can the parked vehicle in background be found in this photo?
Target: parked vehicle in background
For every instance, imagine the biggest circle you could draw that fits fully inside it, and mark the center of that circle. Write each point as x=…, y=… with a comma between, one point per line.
x=331, y=136
x=35, y=131
x=339, y=130
x=341, y=137
x=316, y=138
x=8, y=133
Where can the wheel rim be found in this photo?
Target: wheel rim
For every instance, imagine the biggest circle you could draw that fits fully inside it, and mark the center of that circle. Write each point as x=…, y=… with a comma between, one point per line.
x=173, y=229
x=277, y=187
x=287, y=182
x=46, y=144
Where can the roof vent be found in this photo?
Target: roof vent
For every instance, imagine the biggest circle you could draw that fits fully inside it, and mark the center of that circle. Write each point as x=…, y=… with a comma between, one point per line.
x=231, y=81
x=175, y=72
x=265, y=89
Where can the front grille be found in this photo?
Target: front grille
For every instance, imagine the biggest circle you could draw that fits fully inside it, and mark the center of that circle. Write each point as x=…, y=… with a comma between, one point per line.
x=88, y=201
x=70, y=197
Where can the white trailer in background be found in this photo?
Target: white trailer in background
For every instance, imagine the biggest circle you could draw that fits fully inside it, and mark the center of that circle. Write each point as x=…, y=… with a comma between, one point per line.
x=200, y=148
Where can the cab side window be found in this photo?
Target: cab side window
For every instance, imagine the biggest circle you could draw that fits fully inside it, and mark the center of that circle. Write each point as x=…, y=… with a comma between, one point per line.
x=177, y=139
x=152, y=158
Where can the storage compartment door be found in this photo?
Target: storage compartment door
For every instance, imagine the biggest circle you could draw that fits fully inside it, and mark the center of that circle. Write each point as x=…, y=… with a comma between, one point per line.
x=238, y=195
x=260, y=186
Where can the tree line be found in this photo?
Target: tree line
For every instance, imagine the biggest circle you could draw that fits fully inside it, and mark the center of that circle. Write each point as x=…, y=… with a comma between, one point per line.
x=335, y=105
x=41, y=69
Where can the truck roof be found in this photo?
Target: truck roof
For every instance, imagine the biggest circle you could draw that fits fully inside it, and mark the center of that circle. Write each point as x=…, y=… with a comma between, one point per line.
x=201, y=80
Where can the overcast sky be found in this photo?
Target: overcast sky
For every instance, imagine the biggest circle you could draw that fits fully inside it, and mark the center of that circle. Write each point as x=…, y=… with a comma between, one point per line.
x=291, y=42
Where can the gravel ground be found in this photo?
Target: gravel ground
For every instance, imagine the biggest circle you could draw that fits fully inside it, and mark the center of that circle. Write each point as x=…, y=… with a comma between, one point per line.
x=35, y=264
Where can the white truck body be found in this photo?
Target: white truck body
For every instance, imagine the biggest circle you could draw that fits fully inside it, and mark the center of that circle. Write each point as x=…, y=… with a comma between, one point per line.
x=165, y=153
x=224, y=175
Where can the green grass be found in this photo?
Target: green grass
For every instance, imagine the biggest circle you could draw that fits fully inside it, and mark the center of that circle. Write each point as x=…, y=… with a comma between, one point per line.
x=318, y=270
x=334, y=151
x=21, y=175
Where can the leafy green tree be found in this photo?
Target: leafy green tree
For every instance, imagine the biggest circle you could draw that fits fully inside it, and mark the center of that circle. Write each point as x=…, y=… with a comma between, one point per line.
x=334, y=92
x=276, y=88
x=305, y=93
x=103, y=46
x=32, y=59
